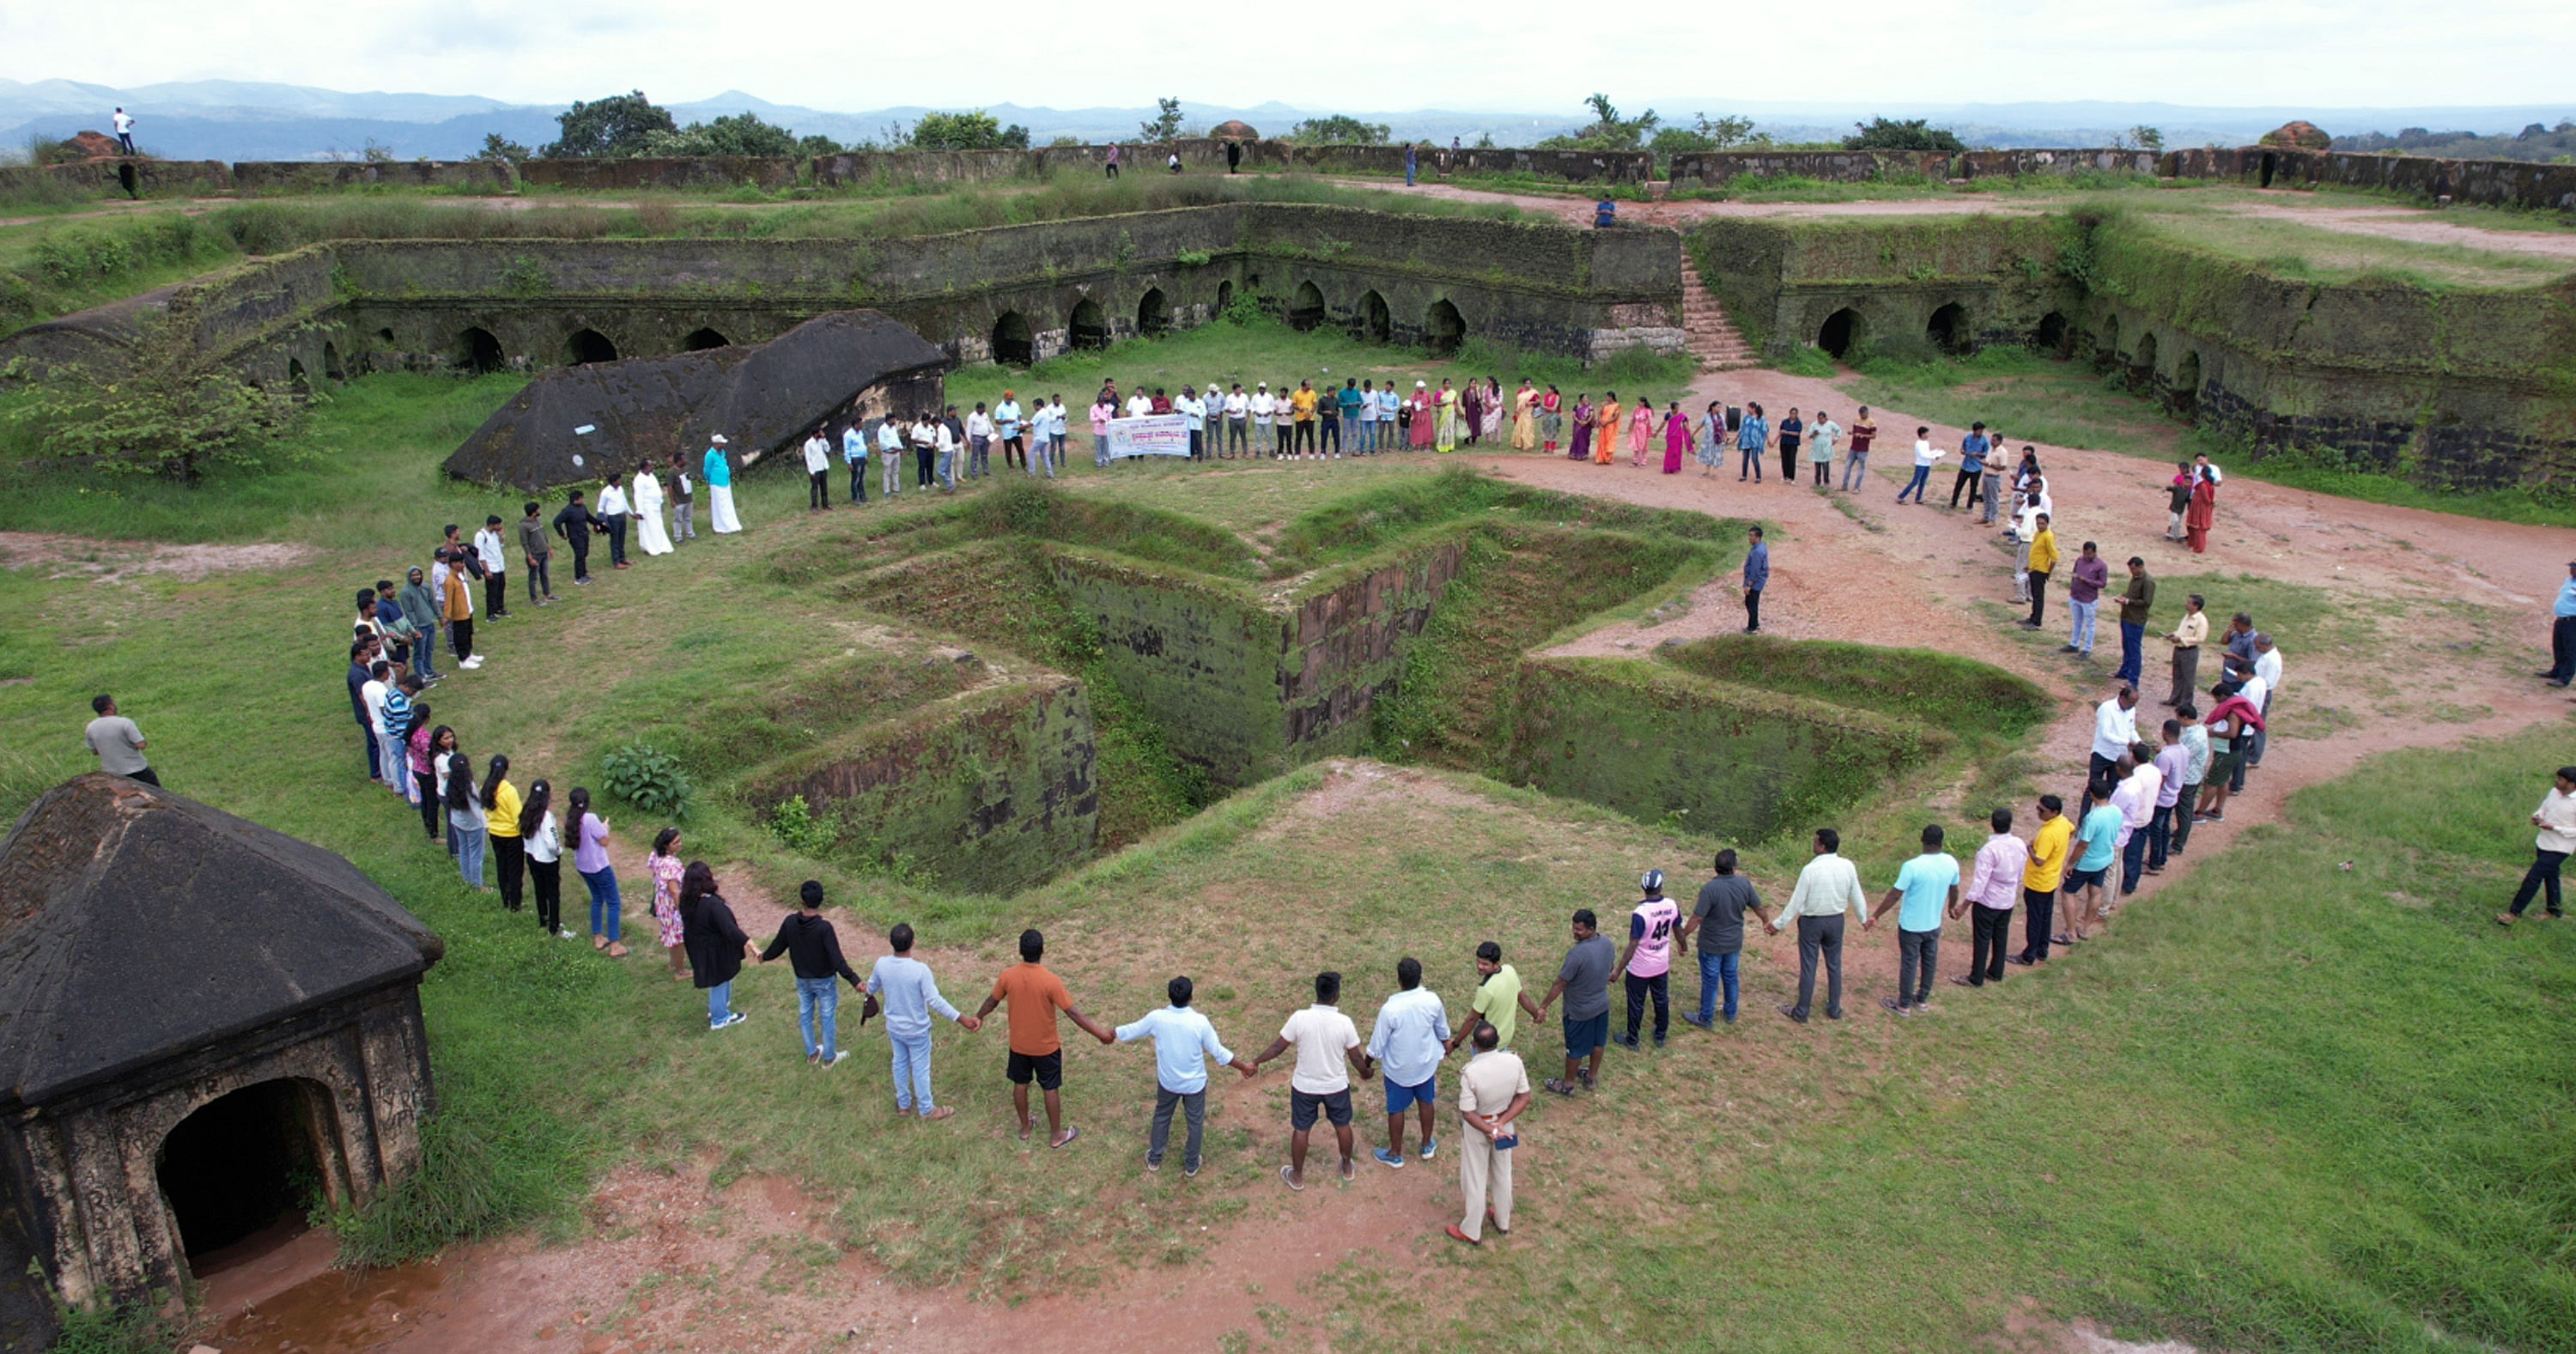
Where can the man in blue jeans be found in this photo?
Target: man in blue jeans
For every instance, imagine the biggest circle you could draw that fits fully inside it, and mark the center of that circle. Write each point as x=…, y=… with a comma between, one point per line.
x=1718, y=919
x=910, y=994
x=813, y=950
x=2135, y=604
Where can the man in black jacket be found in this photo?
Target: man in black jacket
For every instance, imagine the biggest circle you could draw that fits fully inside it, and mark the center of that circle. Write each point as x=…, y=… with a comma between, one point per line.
x=813, y=949
x=574, y=524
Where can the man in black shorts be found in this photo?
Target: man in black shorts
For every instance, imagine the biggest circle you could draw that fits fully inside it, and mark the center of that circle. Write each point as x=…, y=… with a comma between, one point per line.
x=1326, y=1043
x=1035, y=995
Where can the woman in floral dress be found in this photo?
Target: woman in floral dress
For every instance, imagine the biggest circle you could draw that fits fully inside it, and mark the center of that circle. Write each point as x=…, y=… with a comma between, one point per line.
x=666, y=868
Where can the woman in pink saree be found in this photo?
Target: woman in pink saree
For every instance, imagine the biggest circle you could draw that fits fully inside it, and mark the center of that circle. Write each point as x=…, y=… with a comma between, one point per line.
x=1423, y=417
x=1677, y=438
x=1641, y=431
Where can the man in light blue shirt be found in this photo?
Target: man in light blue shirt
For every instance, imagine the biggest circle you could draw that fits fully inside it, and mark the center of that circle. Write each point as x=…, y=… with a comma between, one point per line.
x=2562, y=632
x=1926, y=887
x=1183, y=1042
x=854, y=452
x=909, y=994
x=1411, y=1037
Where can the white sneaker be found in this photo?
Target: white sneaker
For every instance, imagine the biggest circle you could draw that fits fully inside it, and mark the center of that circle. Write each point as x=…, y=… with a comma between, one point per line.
x=561, y=934
x=835, y=1060
x=728, y=1022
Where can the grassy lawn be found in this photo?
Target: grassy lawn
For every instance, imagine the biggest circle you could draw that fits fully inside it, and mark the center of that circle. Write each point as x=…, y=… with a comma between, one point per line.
x=2292, y=1106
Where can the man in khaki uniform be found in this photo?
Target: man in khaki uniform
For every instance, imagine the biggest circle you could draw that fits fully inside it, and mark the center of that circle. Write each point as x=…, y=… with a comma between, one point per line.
x=1493, y=1089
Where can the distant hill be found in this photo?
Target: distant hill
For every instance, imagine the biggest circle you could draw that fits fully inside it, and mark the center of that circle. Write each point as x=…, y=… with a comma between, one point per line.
x=2534, y=142
x=246, y=120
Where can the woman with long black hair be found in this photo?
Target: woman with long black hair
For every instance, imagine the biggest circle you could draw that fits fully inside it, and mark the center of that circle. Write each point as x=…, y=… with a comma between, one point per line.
x=429, y=742
x=466, y=819
x=716, y=943
x=544, y=838
x=501, y=815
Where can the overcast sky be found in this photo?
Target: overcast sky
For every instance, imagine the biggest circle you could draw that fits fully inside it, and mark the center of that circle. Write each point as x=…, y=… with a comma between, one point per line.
x=1499, y=54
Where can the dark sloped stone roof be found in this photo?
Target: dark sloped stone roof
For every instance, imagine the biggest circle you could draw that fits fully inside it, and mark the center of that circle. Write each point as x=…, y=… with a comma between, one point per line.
x=136, y=924
x=758, y=397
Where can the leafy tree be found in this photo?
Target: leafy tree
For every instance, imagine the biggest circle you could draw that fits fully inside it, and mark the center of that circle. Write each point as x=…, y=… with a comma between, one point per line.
x=978, y=130
x=2139, y=138
x=1341, y=129
x=739, y=134
x=172, y=409
x=1910, y=134
x=495, y=147
x=1608, y=130
x=1165, y=125
x=614, y=127
x=815, y=143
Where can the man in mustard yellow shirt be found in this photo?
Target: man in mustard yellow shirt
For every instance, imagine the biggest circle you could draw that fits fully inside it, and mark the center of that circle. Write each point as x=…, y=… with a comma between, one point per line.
x=2040, y=878
x=2043, y=562
x=1304, y=403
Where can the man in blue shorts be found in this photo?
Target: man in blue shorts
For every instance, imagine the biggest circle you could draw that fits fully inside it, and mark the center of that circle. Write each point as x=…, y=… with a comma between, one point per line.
x=1408, y=1042
x=1584, y=982
x=1325, y=1040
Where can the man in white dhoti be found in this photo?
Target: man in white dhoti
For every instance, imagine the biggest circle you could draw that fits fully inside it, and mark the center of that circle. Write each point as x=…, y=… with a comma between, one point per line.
x=649, y=531
x=719, y=476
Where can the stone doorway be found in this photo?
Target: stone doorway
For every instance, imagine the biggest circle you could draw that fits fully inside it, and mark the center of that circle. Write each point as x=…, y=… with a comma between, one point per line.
x=245, y=1163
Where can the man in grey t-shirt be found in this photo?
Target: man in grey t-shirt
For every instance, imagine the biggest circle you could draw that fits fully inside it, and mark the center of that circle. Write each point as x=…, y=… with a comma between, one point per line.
x=118, y=743
x=1584, y=982
x=1718, y=919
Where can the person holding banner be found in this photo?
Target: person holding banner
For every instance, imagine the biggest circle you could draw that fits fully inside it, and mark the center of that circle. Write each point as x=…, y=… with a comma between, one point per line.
x=1103, y=409
x=1238, y=407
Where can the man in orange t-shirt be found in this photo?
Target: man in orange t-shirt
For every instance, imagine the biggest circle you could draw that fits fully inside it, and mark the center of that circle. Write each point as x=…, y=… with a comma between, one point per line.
x=1035, y=995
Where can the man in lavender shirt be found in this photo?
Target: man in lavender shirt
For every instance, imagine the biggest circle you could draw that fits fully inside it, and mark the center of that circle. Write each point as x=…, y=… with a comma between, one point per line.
x=1994, y=885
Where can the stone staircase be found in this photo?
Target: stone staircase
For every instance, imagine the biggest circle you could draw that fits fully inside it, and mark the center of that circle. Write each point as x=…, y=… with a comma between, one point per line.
x=1713, y=338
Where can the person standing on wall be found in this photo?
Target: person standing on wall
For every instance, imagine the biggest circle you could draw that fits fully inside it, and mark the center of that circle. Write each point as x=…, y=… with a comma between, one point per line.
x=1410, y=164
x=124, y=124
x=1233, y=161
x=718, y=471
x=1757, y=576
x=1828, y=887
x=613, y=514
x=493, y=552
x=1926, y=888
x=1109, y=166
x=117, y=744
x=1037, y=1051
x=2556, y=819
x=818, y=472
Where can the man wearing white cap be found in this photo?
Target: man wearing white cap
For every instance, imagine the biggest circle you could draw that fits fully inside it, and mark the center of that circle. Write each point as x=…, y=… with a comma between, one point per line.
x=1648, y=960
x=719, y=476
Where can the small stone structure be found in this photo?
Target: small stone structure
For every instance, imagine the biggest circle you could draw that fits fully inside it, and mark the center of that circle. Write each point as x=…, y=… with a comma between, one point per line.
x=845, y=366
x=203, y=1024
x=2298, y=136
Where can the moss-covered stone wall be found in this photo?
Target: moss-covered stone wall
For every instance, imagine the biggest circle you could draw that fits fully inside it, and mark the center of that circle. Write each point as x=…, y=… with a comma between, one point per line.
x=1200, y=656
x=990, y=791
x=1734, y=761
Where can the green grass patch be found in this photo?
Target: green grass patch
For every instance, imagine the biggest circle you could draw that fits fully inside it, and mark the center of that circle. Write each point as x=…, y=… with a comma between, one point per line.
x=1921, y=685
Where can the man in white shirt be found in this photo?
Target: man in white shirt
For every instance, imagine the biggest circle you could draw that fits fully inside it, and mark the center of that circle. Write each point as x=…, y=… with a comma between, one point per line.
x=1194, y=417
x=1261, y=405
x=494, y=552
x=124, y=123
x=890, y=453
x=612, y=514
x=818, y=472
x=1924, y=455
x=854, y=451
x=2267, y=670
x=1367, y=440
x=1059, y=425
x=944, y=437
x=2136, y=799
x=2556, y=819
x=1828, y=887
x=1325, y=1040
x=1238, y=411
x=2115, y=727
x=1139, y=404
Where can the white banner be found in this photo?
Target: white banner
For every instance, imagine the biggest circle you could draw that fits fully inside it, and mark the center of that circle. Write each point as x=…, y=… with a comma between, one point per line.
x=1151, y=435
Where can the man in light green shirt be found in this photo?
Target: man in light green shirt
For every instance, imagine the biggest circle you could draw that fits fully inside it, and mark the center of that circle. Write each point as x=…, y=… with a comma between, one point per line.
x=1497, y=999
x=1828, y=887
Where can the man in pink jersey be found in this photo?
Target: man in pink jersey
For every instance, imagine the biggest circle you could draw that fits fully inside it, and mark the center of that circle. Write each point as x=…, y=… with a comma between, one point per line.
x=1648, y=960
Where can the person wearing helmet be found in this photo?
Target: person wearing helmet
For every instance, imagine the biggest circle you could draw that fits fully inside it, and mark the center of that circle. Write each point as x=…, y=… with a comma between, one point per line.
x=1647, y=963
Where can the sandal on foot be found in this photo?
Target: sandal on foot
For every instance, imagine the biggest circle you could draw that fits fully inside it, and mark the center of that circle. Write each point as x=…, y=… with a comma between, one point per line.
x=1067, y=1140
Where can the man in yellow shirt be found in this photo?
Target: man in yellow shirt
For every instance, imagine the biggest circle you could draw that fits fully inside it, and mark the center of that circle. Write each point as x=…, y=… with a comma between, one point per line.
x=2040, y=878
x=2043, y=562
x=1304, y=403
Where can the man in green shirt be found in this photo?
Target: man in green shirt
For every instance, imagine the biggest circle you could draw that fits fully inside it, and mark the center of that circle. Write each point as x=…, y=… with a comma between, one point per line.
x=1497, y=999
